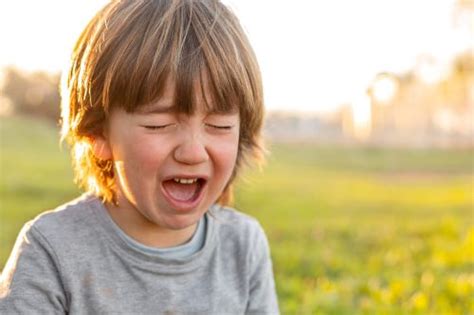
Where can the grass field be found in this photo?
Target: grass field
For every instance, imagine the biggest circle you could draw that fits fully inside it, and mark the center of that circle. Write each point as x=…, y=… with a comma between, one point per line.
x=352, y=230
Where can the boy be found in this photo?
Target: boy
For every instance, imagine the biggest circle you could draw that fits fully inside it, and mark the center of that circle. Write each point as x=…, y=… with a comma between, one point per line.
x=162, y=105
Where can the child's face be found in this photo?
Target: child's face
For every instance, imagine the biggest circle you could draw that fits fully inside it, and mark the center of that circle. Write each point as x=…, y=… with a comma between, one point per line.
x=171, y=167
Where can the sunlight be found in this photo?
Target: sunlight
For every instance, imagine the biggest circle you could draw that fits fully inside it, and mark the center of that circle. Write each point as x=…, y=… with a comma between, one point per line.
x=384, y=88
x=40, y=34
x=81, y=149
x=429, y=70
x=362, y=117
x=311, y=62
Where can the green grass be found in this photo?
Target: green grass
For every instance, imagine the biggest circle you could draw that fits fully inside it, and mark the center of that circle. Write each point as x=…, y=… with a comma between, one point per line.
x=368, y=231
x=35, y=175
x=352, y=230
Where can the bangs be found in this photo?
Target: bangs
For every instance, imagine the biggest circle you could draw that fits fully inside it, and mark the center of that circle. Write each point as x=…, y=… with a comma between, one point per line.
x=185, y=42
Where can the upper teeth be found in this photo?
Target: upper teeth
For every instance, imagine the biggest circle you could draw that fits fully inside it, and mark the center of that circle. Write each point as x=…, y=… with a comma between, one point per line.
x=185, y=181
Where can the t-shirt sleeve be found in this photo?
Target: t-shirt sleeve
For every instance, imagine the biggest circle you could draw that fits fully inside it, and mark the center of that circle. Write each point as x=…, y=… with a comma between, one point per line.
x=30, y=282
x=262, y=297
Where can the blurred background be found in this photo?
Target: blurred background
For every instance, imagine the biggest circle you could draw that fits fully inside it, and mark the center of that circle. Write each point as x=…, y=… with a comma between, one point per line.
x=368, y=193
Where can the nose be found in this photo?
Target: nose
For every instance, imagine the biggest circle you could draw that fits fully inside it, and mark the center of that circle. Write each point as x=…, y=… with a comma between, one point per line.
x=191, y=150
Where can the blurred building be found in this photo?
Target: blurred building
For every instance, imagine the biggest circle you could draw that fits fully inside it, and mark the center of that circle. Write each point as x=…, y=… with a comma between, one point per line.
x=423, y=107
x=419, y=108
x=295, y=126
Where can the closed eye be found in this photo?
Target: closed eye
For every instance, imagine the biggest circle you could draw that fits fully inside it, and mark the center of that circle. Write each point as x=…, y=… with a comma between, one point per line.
x=220, y=127
x=156, y=127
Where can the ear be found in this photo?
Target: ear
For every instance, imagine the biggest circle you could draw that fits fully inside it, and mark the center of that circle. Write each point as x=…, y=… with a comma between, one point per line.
x=101, y=148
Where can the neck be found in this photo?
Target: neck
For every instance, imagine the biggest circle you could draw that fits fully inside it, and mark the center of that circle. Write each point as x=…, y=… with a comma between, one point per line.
x=141, y=229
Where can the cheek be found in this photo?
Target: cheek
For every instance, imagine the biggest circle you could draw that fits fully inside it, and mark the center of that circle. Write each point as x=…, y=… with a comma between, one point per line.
x=137, y=164
x=226, y=155
x=148, y=154
x=140, y=152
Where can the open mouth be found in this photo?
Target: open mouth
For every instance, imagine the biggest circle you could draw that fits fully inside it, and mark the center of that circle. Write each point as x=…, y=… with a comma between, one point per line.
x=184, y=190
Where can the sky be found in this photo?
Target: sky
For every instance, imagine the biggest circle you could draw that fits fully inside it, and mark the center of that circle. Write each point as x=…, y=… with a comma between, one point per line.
x=314, y=54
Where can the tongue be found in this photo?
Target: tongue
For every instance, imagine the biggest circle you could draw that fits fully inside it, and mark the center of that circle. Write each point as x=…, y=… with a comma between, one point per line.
x=181, y=192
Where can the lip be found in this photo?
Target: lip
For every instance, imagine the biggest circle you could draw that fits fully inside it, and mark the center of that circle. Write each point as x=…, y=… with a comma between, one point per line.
x=185, y=206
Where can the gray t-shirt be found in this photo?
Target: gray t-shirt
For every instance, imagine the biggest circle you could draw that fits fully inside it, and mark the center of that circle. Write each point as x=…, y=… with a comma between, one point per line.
x=73, y=260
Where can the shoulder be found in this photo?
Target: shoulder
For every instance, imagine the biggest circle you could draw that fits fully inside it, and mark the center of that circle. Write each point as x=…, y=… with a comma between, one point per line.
x=69, y=220
x=234, y=220
x=233, y=226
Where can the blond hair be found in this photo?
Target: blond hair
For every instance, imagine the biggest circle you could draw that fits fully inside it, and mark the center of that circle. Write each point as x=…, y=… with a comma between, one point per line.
x=124, y=57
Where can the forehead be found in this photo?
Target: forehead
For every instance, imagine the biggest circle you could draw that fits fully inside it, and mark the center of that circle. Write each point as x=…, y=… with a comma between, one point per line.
x=176, y=97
